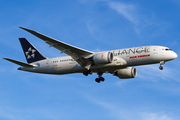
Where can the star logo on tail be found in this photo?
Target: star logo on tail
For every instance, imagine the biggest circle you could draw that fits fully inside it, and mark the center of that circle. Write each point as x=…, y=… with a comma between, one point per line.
x=30, y=53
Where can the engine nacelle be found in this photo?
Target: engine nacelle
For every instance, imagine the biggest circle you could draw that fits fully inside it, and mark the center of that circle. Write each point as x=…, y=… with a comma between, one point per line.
x=129, y=72
x=103, y=58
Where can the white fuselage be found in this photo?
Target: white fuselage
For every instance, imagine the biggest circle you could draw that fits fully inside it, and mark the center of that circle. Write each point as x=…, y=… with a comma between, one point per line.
x=122, y=58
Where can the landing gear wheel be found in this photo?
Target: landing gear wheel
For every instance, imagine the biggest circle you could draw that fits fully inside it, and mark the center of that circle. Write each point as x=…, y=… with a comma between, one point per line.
x=85, y=73
x=97, y=80
x=160, y=67
x=102, y=79
x=90, y=72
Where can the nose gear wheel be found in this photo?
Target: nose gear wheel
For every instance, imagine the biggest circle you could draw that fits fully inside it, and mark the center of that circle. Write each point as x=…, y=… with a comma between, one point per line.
x=161, y=67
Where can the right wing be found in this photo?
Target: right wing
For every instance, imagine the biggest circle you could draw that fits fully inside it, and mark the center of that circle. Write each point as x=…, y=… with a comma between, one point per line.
x=79, y=55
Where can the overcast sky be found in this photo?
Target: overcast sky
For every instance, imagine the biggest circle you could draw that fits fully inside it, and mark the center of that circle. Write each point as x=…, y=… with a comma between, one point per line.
x=94, y=25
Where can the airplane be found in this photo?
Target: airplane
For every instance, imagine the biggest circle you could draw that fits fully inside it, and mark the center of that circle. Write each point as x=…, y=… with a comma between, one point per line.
x=119, y=62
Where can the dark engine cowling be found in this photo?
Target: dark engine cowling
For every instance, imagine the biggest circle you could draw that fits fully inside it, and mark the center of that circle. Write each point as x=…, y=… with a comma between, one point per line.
x=103, y=58
x=129, y=72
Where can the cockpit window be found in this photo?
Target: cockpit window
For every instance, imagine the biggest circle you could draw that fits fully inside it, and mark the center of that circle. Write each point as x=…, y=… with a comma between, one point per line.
x=167, y=49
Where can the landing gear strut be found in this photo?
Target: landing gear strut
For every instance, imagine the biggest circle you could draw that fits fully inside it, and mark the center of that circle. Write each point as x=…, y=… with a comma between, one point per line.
x=161, y=63
x=99, y=79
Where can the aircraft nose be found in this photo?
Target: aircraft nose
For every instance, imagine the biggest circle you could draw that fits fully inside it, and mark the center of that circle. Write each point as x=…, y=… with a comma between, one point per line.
x=174, y=55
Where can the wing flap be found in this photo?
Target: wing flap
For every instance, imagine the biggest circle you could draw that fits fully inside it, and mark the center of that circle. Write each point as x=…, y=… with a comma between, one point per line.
x=20, y=63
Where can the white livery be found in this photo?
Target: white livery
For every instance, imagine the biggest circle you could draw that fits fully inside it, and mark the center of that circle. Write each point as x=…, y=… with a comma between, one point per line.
x=117, y=62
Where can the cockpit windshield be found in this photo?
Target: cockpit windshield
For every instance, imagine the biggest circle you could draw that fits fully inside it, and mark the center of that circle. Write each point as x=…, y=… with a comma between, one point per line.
x=167, y=49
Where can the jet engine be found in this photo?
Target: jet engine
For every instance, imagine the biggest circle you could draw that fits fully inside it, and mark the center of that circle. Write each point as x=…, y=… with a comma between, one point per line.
x=103, y=58
x=125, y=73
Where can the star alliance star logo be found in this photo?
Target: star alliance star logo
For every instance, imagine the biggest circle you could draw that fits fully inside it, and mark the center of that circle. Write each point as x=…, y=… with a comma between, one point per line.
x=30, y=53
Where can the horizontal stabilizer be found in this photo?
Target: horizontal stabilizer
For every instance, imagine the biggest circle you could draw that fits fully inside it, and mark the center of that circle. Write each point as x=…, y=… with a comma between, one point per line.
x=20, y=63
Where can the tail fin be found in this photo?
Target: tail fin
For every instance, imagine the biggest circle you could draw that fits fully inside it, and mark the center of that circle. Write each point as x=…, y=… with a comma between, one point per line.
x=31, y=53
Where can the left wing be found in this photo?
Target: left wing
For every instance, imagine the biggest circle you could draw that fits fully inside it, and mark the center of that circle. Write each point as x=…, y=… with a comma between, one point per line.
x=77, y=54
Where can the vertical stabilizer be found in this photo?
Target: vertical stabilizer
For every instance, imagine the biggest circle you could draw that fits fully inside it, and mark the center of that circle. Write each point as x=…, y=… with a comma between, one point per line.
x=30, y=52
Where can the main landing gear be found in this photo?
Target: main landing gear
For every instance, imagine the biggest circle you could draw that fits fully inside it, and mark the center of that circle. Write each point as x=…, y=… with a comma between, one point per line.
x=161, y=63
x=99, y=79
x=87, y=72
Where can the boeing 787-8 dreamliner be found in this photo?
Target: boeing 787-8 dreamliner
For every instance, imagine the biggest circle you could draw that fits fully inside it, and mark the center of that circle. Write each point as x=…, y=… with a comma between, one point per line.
x=119, y=62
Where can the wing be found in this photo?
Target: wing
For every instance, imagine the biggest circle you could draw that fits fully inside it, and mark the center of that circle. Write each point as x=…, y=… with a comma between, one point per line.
x=20, y=63
x=77, y=54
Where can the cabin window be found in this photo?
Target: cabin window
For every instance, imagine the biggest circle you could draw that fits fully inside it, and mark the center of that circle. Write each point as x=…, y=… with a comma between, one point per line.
x=55, y=61
x=65, y=60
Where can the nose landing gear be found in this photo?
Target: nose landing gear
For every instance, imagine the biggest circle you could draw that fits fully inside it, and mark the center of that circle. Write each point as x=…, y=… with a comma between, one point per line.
x=161, y=67
x=161, y=63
